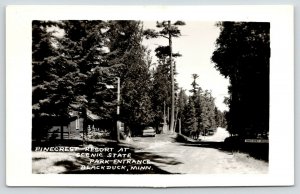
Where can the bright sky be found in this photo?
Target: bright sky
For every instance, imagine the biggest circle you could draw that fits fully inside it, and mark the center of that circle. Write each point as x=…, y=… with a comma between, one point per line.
x=196, y=45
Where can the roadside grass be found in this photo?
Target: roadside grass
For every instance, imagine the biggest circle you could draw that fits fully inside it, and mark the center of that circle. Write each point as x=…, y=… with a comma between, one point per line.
x=251, y=163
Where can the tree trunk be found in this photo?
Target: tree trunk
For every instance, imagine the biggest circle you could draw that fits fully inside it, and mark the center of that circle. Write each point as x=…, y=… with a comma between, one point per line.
x=172, y=83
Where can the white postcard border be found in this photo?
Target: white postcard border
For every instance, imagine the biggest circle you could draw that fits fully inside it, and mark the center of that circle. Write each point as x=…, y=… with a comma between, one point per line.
x=18, y=92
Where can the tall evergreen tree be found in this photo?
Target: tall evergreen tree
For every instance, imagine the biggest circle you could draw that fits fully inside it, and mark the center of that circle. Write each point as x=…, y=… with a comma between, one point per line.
x=182, y=102
x=242, y=54
x=126, y=48
x=199, y=114
x=161, y=91
x=168, y=31
x=199, y=99
x=79, y=67
x=194, y=86
x=190, y=116
x=51, y=90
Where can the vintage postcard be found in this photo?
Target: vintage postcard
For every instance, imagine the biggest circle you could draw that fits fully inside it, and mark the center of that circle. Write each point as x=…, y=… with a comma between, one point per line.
x=155, y=96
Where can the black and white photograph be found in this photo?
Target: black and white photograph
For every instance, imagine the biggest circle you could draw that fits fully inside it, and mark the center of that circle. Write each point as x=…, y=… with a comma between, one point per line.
x=162, y=97
x=149, y=96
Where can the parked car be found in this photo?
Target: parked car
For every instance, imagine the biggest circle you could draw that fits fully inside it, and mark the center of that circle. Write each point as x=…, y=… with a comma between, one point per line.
x=149, y=131
x=210, y=131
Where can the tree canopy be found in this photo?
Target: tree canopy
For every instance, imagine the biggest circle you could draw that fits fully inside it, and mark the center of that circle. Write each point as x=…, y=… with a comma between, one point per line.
x=167, y=30
x=242, y=54
x=74, y=71
x=76, y=65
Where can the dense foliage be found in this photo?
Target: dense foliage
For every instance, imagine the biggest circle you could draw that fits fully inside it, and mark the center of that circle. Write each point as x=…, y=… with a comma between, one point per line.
x=75, y=67
x=167, y=30
x=198, y=112
x=242, y=54
x=74, y=71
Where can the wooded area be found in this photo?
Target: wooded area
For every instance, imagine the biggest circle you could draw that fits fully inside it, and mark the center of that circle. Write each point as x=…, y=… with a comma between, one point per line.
x=76, y=66
x=243, y=55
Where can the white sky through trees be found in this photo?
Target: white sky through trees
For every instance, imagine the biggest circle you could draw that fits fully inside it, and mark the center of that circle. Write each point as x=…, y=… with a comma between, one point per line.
x=196, y=46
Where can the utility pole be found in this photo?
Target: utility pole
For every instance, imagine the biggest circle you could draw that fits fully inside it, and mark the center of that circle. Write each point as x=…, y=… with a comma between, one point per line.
x=168, y=116
x=176, y=119
x=179, y=125
x=165, y=126
x=118, y=96
x=118, y=109
x=172, y=80
x=165, y=122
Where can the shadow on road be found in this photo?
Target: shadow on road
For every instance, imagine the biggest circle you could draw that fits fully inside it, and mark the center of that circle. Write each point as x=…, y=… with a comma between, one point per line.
x=75, y=167
x=82, y=165
x=69, y=165
x=156, y=158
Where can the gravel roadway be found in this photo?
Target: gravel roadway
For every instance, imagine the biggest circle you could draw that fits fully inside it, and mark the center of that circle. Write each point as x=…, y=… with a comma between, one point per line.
x=180, y=158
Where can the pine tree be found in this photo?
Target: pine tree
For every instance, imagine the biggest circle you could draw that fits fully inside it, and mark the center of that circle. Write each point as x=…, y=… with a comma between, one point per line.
x=52, y=93
x=126, y=49
x=168, y=31
x=182, y=103
x=191, y=120
x=242, y=54
x=199, y=107
x=73, y=72
x=208, y=116
x=194, y=86
x=161, y=91
x=199, y=114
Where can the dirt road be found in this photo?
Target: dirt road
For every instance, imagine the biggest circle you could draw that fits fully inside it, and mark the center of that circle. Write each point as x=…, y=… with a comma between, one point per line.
x=180, y=158
x=164, y=154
